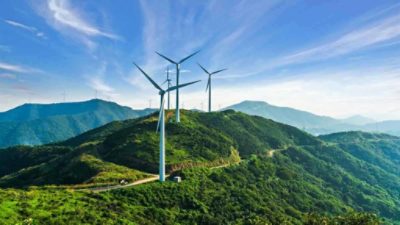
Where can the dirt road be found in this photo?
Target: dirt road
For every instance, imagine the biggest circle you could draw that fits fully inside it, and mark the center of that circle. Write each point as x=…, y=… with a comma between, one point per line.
x=113, y=187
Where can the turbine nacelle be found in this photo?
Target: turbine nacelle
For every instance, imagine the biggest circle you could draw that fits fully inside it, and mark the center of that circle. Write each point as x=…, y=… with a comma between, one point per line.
x=178, y=65
x=161, y=91
x=208, y=88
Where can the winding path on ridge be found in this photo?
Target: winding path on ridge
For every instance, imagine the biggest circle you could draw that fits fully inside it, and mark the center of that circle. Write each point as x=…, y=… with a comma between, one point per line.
x=155, y=177
x=119, y=186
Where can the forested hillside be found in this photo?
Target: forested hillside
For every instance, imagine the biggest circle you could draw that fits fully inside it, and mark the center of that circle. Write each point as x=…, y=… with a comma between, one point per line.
x=34, y=124
x=271, y=174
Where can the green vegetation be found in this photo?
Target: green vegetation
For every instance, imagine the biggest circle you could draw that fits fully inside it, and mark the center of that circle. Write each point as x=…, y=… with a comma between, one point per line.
x=255, y=192
x=308, y=180
x=34, y=124
x=348, y=219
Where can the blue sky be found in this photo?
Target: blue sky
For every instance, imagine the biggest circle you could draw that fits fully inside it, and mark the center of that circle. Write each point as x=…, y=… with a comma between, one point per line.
x=336, y=58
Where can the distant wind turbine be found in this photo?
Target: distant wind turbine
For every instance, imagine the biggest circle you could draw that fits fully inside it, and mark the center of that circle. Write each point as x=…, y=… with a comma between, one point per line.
x=64, y=96
x=178, y=65
x=161, y=120
x=209, y=84
x=168, y=81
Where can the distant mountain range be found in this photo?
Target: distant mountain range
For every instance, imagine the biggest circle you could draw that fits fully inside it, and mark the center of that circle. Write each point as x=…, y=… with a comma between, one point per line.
x=358, y=120
x=316, y=124
x=34, y=124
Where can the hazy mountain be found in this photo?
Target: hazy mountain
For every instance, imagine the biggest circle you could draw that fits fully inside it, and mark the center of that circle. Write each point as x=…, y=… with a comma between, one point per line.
x=33, y=124
x=358, y=120
x=301, y=119
x=273, y=174
x=389, y=126
x=315, y=124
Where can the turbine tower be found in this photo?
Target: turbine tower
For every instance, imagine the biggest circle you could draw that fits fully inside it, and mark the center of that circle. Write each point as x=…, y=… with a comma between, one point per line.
x=177, y=65
x=64, y=95
x=209, y=84
x=168, y=81
x=161, y=120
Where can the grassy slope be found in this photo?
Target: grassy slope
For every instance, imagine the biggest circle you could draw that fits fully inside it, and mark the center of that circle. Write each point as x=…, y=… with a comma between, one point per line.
x=304, y=175
x=132, y=144
x=260, y=190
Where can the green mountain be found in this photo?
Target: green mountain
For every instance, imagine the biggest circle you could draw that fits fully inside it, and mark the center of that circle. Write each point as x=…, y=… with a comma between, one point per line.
x=34, y=124
x=134, y=144
x=315, y=124
x=236, y=169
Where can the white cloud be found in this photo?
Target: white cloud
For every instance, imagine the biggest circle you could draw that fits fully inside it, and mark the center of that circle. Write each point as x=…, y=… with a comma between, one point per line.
x=40, y=34
x=386, y=29
x=16, y=68
x=97, y=82
x=375, y=33
x=138, y=80
x=372, y=92
x=20, y=25
x=179, y=34
x=65, y=15
x=31, y=29
x=62, y=16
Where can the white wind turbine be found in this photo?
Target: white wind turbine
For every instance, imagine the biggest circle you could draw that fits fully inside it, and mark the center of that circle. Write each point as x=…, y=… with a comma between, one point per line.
x=161, y=120
x=209, y=84
x=168, y=81
x=178, y=65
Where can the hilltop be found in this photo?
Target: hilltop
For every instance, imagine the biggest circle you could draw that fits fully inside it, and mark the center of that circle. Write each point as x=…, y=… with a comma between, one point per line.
x=35, y=124
x=200, y=139
x=327, y=175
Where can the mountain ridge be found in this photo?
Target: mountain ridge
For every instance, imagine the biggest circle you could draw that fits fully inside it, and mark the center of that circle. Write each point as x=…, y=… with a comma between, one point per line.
x=34, y=124
x=315, y=124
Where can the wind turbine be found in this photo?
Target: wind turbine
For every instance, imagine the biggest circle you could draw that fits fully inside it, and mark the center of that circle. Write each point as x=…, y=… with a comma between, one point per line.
x=64, y=95
x=177, y=65
x=161, y=120
x=168, y=81
x=209, y=84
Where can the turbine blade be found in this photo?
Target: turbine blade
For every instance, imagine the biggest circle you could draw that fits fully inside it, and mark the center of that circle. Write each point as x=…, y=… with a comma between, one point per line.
x=159, y=113
x=203, y=69
x=181, y=85
x=187, y=57
x=149, y=78
x=166, y=58
x=167, y=72
x=208, y=83
x=218, y=71
x=164, y=82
